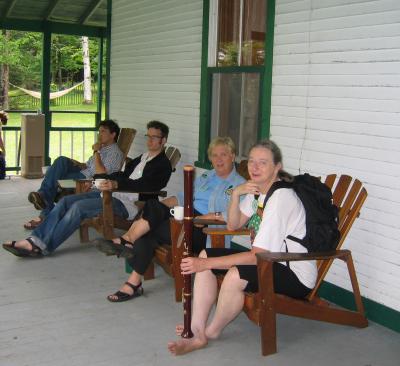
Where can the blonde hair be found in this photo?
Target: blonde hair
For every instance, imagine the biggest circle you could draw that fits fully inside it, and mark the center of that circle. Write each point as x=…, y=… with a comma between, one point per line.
x=226, y=141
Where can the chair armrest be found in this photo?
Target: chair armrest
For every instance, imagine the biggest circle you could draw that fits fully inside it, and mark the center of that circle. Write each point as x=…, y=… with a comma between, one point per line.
x=66, y=183
x=289, y=257
x=225, y=231
x=152, y=193
x=201, y=221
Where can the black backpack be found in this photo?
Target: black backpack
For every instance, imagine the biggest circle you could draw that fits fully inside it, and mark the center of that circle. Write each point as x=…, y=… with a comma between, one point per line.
x=322, y=217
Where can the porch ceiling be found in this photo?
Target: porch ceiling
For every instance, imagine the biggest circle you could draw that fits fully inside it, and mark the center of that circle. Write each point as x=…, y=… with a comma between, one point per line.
x=76, y=12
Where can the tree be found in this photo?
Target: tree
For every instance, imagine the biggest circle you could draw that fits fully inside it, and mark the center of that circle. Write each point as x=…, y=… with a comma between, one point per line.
x=87, y=77
x=4, y=72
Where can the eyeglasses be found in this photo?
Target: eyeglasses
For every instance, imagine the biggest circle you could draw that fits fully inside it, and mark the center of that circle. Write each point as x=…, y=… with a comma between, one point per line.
x=153, y=137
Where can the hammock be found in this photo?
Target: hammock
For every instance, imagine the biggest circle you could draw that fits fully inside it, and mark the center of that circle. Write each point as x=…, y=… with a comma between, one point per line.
x=54, y=95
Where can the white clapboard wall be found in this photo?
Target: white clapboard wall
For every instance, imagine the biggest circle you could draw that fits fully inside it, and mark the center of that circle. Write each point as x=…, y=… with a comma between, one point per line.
x=336, y=109
x=155, y=71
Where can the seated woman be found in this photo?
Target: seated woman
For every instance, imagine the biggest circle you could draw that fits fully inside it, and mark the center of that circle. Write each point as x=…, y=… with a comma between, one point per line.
x=212, y=191
x=283, y=215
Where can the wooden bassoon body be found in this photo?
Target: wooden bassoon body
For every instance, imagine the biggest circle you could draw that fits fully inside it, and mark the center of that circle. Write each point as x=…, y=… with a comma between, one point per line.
x=188, y=173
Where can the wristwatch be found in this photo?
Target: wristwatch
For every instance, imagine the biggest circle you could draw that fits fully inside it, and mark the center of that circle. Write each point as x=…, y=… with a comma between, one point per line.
x=218, y=213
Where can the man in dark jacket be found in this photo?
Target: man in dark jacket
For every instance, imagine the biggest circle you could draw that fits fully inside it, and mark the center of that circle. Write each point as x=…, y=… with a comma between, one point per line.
x=148, y=172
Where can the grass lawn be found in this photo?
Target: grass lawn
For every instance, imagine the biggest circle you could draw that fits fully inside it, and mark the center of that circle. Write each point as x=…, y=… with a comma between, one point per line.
x=76, y=145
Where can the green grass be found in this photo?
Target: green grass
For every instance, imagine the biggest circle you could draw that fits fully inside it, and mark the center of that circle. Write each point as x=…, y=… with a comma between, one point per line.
x=76, y=145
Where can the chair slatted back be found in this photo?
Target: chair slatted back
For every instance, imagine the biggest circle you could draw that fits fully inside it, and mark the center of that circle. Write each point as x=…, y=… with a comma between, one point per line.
x=125, y=140
x=242, y=169
x=174, y=155
x=348, y=196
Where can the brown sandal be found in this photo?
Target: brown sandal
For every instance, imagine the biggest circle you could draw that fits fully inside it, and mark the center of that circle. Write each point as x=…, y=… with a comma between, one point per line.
x=35, y=252
x=32, y=224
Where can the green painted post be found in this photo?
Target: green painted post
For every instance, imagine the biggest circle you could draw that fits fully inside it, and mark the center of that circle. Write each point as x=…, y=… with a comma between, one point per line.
x=266, y=84
x=204, y=127
x=45, y=90
x=99, y=82
x=108, y=59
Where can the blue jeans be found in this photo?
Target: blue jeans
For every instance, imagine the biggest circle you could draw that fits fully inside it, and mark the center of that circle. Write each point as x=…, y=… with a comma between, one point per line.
x=66, y=217
x=62, y=168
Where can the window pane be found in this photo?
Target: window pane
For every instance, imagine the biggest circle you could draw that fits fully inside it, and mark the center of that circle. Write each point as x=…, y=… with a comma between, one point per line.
x=228, y=32
x=241, y=32
x=235, y=108
x=254, y=19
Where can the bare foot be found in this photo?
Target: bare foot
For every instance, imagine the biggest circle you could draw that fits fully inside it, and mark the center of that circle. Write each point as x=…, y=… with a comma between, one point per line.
x=212, y=333
x=179, y=329
x=184, y=346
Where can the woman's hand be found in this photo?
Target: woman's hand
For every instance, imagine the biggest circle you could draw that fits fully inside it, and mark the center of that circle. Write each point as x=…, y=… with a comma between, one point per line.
x=191, y=265
x=247, y=187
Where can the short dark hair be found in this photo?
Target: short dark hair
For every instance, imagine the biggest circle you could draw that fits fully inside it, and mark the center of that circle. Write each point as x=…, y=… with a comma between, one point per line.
x=159, y=126
x=111, y=126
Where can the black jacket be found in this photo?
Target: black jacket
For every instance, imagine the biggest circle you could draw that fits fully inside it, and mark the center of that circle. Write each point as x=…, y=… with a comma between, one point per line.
x=156, y=174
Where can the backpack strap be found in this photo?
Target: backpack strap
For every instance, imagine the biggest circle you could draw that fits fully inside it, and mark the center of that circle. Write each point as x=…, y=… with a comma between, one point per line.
x=276, y=185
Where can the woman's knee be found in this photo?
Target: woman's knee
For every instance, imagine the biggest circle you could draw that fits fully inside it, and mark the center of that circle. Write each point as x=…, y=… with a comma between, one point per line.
x=203, y=254
x=232, y=280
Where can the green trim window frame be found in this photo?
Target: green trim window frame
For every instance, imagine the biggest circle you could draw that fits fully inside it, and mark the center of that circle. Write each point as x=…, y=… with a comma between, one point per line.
x=228, y=74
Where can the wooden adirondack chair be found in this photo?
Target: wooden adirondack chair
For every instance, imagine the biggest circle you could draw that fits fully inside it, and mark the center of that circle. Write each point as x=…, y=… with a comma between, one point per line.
x=71, y=186
x=107, y=221
x=263, y=306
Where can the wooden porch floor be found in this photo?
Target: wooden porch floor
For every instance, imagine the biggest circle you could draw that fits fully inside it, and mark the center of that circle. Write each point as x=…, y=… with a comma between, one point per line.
x=53, y=311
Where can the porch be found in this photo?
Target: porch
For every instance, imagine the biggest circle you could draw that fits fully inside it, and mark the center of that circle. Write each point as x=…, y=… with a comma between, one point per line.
x=53, y=311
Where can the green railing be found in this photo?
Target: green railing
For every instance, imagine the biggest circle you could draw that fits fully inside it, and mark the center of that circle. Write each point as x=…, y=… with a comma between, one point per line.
x=74, y=142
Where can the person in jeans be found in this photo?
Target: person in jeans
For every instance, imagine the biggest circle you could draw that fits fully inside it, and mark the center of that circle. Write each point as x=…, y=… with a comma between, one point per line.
x=148, y=172
x=107, y=158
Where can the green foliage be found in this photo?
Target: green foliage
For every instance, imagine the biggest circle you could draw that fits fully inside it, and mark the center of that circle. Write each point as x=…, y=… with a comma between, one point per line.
x=22, y=51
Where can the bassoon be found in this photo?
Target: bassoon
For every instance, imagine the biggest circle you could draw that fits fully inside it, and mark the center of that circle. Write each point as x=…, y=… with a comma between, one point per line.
x=188, y=171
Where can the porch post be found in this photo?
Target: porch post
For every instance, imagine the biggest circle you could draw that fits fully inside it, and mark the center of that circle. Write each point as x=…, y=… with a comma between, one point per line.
x=108, y=58
x=45, y=90
x=100, y=82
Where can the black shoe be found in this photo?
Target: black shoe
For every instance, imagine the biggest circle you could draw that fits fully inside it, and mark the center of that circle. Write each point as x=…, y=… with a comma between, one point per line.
x=120, y=296
x=37, y=200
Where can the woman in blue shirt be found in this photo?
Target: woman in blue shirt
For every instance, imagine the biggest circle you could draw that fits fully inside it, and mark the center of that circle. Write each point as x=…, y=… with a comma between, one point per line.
x=212, y=191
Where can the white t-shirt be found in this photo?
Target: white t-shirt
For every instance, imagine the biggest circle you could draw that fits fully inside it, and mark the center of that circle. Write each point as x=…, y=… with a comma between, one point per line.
x=128, y=199
x=283, y=215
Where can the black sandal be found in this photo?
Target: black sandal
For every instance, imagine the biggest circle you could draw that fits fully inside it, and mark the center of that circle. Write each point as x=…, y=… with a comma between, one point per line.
x=35, y=252
x=123, y=296
x=108, y=247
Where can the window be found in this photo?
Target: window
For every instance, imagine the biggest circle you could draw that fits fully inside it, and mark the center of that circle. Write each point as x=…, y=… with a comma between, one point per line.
x=235, y=72
x=235, y=108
